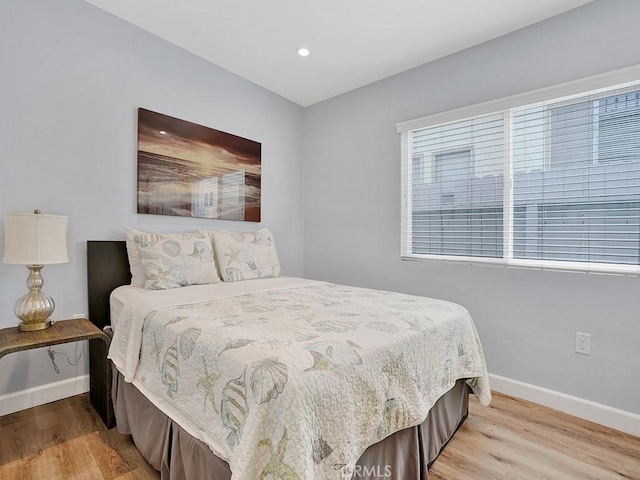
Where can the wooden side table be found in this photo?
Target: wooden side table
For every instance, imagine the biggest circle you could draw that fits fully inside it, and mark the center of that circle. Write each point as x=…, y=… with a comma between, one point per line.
x=66, y=331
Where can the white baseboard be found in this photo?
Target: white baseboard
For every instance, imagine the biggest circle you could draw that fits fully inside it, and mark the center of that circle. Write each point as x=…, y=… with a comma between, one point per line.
x=32, y=397
x=594, y=412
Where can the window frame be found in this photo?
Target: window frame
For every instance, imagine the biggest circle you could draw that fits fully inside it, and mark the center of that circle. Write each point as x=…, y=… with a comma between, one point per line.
x=619, y=80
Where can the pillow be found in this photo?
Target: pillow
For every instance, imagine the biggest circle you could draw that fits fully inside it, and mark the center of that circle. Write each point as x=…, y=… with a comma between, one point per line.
x=135, y=263
x=244, y=256
x=176, y=259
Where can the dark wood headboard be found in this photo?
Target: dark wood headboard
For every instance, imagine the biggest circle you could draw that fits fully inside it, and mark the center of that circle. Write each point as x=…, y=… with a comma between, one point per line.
x=107, y=268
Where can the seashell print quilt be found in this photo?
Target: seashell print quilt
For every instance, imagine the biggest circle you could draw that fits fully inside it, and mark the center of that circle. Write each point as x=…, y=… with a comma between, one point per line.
x=296, y=383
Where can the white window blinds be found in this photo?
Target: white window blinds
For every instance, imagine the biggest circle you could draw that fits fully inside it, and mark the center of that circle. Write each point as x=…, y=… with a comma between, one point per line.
x=552, y=184
x=456, y=188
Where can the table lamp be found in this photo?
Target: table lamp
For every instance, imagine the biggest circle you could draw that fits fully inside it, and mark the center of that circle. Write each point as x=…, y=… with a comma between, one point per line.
x=35, y=240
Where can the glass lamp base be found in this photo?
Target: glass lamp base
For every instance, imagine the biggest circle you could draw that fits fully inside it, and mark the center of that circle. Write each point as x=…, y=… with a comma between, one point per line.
x=35, y=307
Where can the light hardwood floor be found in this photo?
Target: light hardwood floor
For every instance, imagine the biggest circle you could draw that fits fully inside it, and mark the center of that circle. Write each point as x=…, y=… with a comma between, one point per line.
x=510, y=440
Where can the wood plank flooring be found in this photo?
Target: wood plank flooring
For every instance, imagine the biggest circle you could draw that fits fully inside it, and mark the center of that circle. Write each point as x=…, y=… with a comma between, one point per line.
x=67, y=440
x=518, y=440
x=511, y=440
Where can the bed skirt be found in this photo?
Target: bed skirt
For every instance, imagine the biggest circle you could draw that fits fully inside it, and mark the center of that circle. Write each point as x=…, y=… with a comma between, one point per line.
x=406, y=454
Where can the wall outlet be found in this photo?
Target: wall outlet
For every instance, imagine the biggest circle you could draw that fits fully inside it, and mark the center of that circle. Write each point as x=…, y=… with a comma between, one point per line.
x=79, y=315
x=583, y=343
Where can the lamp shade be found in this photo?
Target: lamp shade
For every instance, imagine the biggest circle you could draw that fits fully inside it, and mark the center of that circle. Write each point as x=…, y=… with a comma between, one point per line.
x=35, y=239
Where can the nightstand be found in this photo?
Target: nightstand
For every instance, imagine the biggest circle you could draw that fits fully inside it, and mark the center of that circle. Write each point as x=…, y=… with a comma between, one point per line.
x=66, y=331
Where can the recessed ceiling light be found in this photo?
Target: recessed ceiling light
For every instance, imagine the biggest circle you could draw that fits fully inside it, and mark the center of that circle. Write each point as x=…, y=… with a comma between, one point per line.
x=303, y=52
x=162, y=132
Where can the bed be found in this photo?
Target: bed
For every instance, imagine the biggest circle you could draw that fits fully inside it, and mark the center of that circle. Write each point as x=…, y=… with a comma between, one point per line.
x=198, y=374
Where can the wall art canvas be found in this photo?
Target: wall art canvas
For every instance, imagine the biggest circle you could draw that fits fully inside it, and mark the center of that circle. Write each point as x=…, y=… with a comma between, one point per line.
x=190, y=170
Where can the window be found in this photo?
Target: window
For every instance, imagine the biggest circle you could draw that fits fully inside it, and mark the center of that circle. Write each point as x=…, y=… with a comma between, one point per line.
x=571, y=198
x=452, y=168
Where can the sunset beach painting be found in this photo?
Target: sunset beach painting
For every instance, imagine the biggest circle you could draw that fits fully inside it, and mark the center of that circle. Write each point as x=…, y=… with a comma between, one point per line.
x=190, y=170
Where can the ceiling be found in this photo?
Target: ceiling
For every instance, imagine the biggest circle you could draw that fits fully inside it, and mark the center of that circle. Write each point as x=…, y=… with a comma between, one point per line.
x=352, y=42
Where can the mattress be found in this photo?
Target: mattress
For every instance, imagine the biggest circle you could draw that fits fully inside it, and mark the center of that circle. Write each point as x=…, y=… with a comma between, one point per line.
x=290, y=375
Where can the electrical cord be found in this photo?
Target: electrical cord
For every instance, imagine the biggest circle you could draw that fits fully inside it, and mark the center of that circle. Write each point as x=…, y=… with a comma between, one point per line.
x=52, y=355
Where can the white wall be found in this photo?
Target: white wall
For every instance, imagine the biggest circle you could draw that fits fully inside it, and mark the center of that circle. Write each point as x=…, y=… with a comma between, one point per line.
x=527, y=319
x=71, y=79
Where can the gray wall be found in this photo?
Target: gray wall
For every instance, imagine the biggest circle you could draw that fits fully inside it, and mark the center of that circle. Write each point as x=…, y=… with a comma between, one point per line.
x=71, y=80
x=527, y=319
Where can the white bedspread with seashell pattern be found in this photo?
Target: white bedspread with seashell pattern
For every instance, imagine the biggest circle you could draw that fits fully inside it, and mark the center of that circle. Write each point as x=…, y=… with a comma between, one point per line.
x=295, y=380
